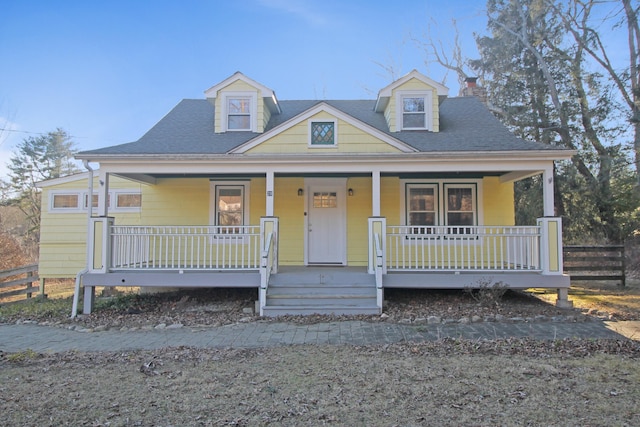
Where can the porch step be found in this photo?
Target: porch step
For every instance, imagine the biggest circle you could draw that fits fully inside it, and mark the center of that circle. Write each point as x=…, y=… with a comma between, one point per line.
x=323, y=290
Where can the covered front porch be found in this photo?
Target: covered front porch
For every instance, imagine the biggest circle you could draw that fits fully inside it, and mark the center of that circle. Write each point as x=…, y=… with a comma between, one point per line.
x=356, y=214
x=517, y=257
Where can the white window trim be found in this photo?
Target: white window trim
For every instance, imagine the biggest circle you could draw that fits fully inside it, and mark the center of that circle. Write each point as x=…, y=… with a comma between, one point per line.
x=428, y=108
x=474, y=195
x=246, y=196
x=82, y=198
x=442, y=185
x=310, y=123
x=437, y=189
x=224, y=114
x=113, y=199
x=77, y=209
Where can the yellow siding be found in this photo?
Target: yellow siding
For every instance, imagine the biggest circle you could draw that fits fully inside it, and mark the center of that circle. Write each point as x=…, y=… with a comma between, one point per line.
x=63, y=236
x=358, y=210
x=350, y=140
x=390, y=199
x=289, y=208
x=187, y=202
x=176, y=202
x=264, y=116
x=257, y=203
x=498, y=202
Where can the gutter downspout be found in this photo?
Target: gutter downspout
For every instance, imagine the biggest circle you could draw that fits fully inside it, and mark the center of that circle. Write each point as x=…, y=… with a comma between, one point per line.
x=76, y=291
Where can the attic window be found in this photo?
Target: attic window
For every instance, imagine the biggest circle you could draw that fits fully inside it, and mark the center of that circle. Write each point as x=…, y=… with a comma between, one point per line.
x=413, y=113
x=322, y=133
x=414, y=110
x=239, y=114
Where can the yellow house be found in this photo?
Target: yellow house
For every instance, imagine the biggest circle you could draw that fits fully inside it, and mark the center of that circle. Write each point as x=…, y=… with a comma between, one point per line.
x=319, y=205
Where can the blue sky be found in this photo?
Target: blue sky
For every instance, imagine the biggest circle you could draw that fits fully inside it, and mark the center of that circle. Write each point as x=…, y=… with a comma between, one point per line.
x=106, y=71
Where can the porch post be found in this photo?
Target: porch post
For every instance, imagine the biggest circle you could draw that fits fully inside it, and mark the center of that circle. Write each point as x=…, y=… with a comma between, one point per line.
x=103, y=194
x=99, y=241
x=550, y=245
x=551, y=261
x=375, y=193
x=269, y=195
x=547, y=192
x=98, y=254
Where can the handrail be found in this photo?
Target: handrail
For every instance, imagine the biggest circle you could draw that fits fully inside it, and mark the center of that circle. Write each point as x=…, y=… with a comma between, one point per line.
x=379, y=266
x=266, y=267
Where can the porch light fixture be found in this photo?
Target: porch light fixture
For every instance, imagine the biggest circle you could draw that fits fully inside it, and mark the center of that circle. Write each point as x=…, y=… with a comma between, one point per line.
x=350, y=191
x=300, y=192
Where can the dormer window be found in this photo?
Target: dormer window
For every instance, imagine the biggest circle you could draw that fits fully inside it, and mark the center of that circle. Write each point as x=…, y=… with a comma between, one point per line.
x=239, y=114
x=413, y=113
x=239, y=111
x=414, y=110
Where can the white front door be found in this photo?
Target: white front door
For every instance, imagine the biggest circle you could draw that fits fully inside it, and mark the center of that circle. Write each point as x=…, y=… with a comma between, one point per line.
x=327, y=222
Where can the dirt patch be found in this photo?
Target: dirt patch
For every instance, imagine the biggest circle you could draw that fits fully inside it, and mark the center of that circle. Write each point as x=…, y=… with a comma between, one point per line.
x=510, y=382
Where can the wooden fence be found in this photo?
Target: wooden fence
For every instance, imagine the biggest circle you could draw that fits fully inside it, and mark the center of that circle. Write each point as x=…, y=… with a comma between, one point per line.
x=595, y=263
x=21, y=281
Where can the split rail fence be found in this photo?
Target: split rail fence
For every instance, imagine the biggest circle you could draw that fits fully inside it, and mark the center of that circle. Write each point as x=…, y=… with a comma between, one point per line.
x=19, y=281
x=606, y=263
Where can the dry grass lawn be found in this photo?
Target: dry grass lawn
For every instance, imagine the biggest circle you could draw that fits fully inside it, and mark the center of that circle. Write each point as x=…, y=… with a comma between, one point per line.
x=608, y=298
x=444, y=384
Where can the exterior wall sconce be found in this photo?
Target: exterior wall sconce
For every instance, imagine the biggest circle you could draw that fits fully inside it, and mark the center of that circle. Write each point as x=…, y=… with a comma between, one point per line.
x=350, y=191
x=300, y=192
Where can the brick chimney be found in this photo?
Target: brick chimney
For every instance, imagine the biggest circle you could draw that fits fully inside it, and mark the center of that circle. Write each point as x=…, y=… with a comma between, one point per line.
x=472, y=89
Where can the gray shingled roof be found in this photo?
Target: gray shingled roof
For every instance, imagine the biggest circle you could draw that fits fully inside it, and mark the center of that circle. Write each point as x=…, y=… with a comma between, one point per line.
x=465, y=125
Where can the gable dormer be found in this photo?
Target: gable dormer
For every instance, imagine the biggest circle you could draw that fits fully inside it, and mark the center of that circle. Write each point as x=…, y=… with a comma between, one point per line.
x=412, y=103
x=242, y=104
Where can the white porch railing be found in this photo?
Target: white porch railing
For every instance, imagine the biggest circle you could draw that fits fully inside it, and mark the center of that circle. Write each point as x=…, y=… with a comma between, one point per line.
x=185, y=247
x=465, y=248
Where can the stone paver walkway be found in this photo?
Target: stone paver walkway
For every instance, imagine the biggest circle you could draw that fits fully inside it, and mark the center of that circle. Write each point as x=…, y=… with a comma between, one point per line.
x=14, y=338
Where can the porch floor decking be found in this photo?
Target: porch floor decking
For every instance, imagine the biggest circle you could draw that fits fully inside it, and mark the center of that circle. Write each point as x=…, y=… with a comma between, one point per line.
x=187, y=279
x=472, y=279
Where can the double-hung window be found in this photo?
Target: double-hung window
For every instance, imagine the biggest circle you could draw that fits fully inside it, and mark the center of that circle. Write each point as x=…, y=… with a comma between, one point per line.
x=422, y=207
x=239, y=113
x=414, y=110
x=450, y=204
x=460, y=208
x=230, y=206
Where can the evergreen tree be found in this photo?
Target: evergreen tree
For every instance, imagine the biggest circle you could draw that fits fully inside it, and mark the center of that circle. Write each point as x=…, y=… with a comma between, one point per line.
x=37, y=159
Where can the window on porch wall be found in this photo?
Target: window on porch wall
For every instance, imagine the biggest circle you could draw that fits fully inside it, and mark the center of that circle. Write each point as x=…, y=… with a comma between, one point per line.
x=460, y=209
x=424, y=211
x=229, y=208
x=422, y=207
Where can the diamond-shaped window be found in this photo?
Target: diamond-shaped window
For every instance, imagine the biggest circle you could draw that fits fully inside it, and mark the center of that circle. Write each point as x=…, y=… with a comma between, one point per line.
x=322, y=133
